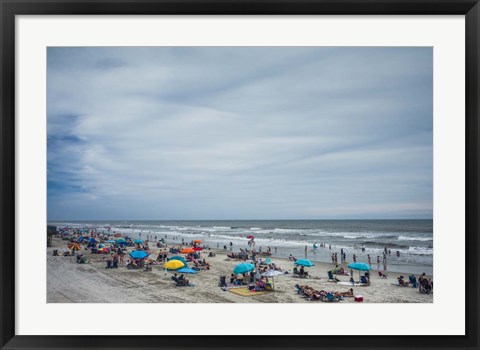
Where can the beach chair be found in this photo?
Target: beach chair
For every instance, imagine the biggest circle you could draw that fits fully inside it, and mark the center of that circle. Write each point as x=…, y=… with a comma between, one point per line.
x=363, y=279
x=331, y=277
x=330, y=298
x=413, y=281
x=222, y=282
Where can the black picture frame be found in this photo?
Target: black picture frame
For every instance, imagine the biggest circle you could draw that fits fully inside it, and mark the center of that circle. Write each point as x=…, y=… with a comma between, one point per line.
x=11, y=8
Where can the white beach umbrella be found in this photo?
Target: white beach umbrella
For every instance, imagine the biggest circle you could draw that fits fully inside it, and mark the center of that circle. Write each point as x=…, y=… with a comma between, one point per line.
x=272, y=273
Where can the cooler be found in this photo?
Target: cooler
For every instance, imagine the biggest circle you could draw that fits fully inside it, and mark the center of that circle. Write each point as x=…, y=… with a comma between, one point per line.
x=358, y=298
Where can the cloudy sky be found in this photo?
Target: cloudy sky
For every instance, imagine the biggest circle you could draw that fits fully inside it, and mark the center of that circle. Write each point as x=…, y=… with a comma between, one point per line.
x=239, y=133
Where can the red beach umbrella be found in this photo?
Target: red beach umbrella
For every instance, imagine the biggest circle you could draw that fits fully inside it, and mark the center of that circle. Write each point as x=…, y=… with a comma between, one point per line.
x=197, y=248
x=250, y=237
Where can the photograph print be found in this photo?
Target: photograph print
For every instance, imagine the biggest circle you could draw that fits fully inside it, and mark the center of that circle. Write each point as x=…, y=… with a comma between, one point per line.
x=239, y=174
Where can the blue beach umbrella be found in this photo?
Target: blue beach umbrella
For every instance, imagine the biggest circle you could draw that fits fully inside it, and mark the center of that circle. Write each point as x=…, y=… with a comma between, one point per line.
x=139, y=254
x=186, y=270
x=138, y=241
x=182, y=259
x=359, y=266
x=243, y=268
x=111, y=241
x=304, y=262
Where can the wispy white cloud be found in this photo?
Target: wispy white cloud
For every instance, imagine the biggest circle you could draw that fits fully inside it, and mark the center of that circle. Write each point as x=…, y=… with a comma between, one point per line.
x=211, y=133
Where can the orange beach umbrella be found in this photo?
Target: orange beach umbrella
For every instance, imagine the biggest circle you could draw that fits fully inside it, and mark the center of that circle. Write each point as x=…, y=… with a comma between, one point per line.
x=197, y=241
x=187, y=250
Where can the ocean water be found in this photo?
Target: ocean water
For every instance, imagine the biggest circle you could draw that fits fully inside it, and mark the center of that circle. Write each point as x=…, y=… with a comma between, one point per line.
x=413, y=239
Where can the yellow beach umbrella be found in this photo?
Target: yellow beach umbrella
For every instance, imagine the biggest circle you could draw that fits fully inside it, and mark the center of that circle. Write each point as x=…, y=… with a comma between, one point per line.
x=173, y=265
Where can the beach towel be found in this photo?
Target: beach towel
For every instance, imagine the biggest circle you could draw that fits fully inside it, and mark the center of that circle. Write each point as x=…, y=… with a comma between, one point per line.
x=245, y=292
x=352, y=284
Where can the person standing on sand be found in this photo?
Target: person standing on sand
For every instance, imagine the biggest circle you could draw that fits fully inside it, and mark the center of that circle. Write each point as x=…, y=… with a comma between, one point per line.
x=275, y=250
x=354, y=258
x=378, y=259
x=369, y=260
x=305, y=251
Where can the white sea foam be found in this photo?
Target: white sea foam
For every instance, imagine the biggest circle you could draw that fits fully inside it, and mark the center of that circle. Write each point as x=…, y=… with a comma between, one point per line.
x=405, y=238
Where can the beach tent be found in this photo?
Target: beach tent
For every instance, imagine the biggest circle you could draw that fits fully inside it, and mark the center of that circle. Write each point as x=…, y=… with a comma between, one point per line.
x=243, y=268
x=139, y=254
x=272, y=273
x=304, y=262
x=186, y=270
x=177, y=258
x=174, y=265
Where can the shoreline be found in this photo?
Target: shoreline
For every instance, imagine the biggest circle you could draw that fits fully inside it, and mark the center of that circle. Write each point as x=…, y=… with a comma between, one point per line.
x=69, y=282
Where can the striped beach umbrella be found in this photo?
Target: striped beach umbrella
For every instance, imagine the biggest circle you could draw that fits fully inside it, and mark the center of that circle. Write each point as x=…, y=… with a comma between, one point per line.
x=73, y=246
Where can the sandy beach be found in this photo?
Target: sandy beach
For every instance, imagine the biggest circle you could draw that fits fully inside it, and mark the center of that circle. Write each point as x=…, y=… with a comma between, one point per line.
x=69, y=282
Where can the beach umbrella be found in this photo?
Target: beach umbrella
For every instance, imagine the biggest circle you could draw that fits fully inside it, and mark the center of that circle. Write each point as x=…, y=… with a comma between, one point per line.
x=250, y=237
x=197, y=249
x=243, y=268
x=268, y=260
x=272, y=273
x=360, y=266
x=73, y=246
x=139, y=254
x=101, y=245
x=186, y=270
x=138, y=241
x=187, y=250
x=174, y=265
x=117, y=235
x=121, y=240
x=304, y=262
x=111, y=241
x=197, y=241
x=182, y=259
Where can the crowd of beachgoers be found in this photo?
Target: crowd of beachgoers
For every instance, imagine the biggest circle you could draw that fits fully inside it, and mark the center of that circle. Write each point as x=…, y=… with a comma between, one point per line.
x=157, y=270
